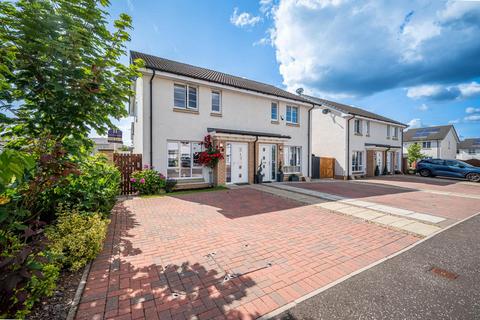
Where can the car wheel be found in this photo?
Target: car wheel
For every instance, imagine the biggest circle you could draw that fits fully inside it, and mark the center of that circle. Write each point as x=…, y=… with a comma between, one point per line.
x=425, y=173
x=473, y=177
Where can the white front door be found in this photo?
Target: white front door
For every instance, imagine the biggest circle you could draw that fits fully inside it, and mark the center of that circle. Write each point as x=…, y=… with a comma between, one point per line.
x=238, y=159
x=268, y=160
x=389, y=162
x=379, y=161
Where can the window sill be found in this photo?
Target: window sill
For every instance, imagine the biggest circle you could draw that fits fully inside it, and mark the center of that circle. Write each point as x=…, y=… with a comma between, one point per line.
x=394, y=138
x=388, y=138
x=290, y=124
x=185, y=110
x=275, y=122
x=367, y=135
x=216, y=114
x=357, y=134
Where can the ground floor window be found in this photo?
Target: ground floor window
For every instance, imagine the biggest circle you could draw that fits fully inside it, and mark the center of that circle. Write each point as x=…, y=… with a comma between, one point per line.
x=292, y=157
x=398, y=160
x=183, y=159
x=357, y=161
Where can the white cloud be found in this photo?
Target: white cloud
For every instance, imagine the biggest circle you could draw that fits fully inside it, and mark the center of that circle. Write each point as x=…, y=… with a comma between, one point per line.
x=472, y=118
x=243, y=19
x=423, y=107
x=471, y=110
x=454, y=121
x=155, y=28
x=361, y=47
x=441, y=92
x=415, y=123
x=130, y=5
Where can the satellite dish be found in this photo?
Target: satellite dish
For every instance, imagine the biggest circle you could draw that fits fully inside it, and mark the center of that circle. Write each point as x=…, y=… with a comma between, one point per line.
x=326, y=111
x=299, y=91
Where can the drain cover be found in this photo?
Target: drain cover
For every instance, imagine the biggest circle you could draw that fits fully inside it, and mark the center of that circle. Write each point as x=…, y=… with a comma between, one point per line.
x=444, y=273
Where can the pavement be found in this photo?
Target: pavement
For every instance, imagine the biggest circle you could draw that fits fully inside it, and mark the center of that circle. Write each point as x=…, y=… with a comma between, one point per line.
x=404, y=287
x=234, y=254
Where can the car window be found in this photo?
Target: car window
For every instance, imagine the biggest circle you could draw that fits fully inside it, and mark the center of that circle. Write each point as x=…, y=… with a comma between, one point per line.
x=468, y=165
x=437, y=161
x=453, y=163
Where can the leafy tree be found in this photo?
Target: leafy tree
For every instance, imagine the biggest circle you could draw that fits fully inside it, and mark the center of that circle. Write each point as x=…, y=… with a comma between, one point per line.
x=414, y=153
x=60, y=69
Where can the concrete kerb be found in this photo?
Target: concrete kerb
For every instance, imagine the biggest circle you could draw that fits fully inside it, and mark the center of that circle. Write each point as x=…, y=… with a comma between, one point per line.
x=78, y=294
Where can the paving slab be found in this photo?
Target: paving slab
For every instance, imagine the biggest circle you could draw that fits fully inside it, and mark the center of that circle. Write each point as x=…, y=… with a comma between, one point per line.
x=421, y=228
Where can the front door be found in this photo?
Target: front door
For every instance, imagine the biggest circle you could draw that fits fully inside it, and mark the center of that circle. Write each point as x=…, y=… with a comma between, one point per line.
x=237, y=162
x=389, y=162
x=268, y=160
x=379, y=161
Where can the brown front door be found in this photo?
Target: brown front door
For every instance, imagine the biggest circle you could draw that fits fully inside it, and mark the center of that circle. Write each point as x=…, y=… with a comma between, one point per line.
x=327, y=167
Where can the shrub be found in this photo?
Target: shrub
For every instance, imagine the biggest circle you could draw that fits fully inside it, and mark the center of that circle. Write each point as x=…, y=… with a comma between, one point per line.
x=93, y=190
x=148, y=181
x=170, y=184
x=77, y=237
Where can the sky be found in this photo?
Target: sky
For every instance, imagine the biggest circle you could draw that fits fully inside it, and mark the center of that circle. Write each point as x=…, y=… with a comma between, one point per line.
x=417, y=62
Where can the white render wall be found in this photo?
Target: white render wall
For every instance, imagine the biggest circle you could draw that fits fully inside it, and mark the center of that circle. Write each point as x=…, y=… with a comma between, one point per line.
x=464, y=155
x=240, y=111
x=448, y=146
x=328, y=138
x=432, y=152
x=138, y=117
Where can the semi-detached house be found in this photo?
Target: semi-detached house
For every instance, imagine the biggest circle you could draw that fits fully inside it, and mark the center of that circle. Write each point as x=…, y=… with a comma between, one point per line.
x=436, y=142
x=176, y=105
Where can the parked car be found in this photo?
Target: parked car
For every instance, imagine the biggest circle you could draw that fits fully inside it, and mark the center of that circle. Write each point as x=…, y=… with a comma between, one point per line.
x=448, y=168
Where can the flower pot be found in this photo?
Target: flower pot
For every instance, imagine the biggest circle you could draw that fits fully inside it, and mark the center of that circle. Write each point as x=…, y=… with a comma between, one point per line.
x=280, y=177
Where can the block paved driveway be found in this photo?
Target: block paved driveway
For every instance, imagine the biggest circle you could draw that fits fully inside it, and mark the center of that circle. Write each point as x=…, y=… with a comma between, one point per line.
x=171, y=257
x=450, y=199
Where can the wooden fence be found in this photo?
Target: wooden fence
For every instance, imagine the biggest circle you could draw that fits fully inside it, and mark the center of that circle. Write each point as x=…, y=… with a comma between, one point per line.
x=327, y=167
x=473, y=162
x=127, y=164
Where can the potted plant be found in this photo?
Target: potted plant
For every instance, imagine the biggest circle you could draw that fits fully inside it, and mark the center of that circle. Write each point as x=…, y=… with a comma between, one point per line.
x=280, y=174
x=293, y=177
x=210, y=156
x=377, y=171
x=259, y=175
x=385, y=171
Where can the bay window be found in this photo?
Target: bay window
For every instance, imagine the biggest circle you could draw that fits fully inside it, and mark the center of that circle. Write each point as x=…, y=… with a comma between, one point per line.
x=292, y=157
x=183, y=159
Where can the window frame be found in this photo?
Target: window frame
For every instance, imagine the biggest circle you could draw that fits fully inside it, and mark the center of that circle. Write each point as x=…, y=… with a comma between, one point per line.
x=357, y=129
x=291, y=115
x=187, y=100
x=356, y=165
x=425, y=143
x=287, y=152
x=389, y=129
x=179, y=167
x=367, y=127
x=271, y=111
x=212, y=92
x=395, y=133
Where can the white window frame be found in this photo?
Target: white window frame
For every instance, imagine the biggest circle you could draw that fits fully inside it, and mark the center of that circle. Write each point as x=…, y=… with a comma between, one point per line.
x=179, y=160
x=426, y=144
x=472, y=151
x=367, y=127
x=219, y=101
x=271, y=110
x=358, y=166
x=295, y=168
x=187, y=96
x=388, y=131
x=291, y=108
x=357, y=126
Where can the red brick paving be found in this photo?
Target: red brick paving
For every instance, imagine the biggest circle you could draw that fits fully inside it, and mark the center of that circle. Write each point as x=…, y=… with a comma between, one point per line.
x=446, y=206
x=160, y=246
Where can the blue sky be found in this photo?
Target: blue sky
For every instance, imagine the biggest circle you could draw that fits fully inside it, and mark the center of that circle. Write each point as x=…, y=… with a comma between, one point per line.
x=414, y=61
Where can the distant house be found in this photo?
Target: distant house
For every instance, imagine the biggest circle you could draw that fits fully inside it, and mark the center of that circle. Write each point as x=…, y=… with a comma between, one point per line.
x=436, y=142
x=359, y=140
x=101, y=144
x=469, y=149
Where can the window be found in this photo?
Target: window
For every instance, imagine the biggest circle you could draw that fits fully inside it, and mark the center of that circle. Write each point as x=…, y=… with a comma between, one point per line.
x=472, y=151
x=183, y=159
x=292, y=114
x=367, y=128
x=292, y=157
x=388, y=131
x=184, y=96
x=357, y=126
x=426, y=144
x=395, y=132
x=216, y=97
x=357, y=161
x=274, y=111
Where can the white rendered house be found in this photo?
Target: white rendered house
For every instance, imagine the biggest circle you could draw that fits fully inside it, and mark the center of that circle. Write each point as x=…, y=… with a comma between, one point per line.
x=359, y=140
x=469, y=149
x=436, y=142
x=255, y=124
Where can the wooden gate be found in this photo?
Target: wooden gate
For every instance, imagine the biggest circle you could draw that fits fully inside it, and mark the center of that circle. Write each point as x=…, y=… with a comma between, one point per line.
x=327, y=167
x=315, y=167
x=127, y=164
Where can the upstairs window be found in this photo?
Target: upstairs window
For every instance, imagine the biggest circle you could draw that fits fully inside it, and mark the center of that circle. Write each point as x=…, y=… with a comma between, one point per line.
x=367, y=128
x=395, y=132
x=426, y=144
x=216, y=98
x=357, y=126
x=274, y=111
x=388, y=131
x=292, y=115
x=184, y=97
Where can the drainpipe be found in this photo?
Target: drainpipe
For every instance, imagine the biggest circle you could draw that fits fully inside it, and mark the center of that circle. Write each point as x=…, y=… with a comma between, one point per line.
x=438, y=150
x=401, y=153
x=151, y=118
x=309, y=143
x=255, y=160
x=348, y=117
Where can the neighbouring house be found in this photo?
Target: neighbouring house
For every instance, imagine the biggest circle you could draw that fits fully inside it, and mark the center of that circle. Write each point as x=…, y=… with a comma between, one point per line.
x=469, y=149
x=359, y=140
x=436, y=142
x=255, y=124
